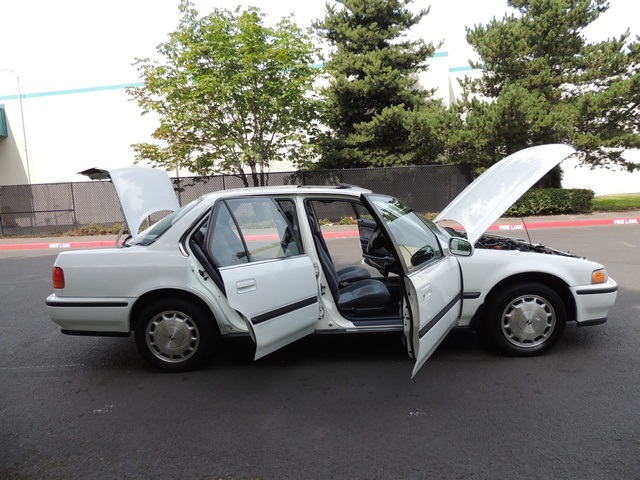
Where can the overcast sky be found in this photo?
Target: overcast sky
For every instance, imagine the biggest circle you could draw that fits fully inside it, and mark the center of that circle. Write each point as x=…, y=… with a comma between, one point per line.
x=68, y=44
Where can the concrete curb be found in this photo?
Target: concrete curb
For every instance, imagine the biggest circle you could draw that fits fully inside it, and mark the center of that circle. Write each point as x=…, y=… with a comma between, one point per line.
x=343, y=232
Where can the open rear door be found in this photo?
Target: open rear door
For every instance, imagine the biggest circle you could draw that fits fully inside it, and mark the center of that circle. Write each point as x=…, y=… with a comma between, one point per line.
x=267, y=277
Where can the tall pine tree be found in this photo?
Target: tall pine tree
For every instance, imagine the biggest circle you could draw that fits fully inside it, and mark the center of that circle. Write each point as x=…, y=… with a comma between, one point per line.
x=542, y=82
x=376, y=112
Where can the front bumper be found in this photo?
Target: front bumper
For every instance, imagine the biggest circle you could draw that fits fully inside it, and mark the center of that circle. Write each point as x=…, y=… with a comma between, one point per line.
x=593, y=302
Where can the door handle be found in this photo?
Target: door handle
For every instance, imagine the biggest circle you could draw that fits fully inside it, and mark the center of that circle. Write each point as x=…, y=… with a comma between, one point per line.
x=426, y=292
x=245, y=286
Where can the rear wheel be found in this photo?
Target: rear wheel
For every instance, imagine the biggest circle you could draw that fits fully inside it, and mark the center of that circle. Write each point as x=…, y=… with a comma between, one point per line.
x=525, y=320
x=174, y=335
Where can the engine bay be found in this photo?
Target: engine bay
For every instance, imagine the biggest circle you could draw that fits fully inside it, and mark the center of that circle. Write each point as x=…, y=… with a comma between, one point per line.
x=497, y=242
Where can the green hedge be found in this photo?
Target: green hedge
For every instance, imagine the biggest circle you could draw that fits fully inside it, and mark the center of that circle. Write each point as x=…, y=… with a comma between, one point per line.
x=553, y=201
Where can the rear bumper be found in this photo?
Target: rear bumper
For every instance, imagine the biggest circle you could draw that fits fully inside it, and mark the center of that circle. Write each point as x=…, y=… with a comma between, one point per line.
x=90, y=316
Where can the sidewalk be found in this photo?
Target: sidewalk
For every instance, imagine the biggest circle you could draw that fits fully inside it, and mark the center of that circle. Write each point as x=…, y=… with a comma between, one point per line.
x=556, y=221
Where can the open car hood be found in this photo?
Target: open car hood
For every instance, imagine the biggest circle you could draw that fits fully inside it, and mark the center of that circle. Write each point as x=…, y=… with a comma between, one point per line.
x=142, y=191
x=499, y=187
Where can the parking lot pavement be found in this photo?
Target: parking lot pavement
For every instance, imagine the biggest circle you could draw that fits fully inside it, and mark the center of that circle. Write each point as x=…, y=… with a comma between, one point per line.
x=503, y=224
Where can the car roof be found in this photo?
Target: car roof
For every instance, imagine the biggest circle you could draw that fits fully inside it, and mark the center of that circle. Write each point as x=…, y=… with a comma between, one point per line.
x=296, y=190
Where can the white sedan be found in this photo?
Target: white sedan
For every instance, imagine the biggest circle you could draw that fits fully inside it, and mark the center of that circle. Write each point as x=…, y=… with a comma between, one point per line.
x=256, y=261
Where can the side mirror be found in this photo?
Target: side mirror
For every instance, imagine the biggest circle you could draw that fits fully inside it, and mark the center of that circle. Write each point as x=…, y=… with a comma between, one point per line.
x=460, y=247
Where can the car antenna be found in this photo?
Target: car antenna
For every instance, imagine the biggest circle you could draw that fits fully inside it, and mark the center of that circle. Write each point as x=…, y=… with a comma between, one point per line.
x=526, y=230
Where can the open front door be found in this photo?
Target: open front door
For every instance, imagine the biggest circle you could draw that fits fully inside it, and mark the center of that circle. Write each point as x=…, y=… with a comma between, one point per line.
x=267, y=277
x=432, y=279
x=434, y=301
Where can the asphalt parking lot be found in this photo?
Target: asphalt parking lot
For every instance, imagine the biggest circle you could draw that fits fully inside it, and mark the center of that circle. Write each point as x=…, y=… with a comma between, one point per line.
x=327, y=406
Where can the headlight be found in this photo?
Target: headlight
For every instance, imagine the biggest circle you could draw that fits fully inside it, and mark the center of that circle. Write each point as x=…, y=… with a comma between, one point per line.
x=599, y=276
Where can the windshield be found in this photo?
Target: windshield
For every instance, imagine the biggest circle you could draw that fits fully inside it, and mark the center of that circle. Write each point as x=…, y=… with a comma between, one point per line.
x=416, y=241
x=156, y=230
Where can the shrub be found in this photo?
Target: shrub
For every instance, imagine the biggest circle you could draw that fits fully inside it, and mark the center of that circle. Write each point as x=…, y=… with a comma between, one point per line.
x=552, y=201
x=347, y=221
x=342, y=221
x=94, y=229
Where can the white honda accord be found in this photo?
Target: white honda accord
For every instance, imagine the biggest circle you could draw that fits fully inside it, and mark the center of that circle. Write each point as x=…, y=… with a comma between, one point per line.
x=257, y=262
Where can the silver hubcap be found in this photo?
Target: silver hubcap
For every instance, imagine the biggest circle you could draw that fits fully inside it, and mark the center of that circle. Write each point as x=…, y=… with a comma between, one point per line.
x=172, y=336
x=528, y=321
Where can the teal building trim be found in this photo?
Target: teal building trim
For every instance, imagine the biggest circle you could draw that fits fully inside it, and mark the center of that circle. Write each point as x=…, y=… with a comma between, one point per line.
x=72, y=91
x=4, y=130
x=122, y=86
x=462, y=69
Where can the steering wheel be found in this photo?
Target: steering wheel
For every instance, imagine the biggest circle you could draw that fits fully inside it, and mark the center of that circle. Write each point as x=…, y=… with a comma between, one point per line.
x=377, y=245
x=378, y=254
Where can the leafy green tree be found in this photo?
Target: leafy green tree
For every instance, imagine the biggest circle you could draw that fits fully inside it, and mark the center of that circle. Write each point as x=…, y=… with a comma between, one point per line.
x=542, y=82
x=374, y=104
x=231, y=94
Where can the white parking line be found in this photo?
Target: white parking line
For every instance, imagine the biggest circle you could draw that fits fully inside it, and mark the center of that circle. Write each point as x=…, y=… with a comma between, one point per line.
x=628, y=244
x=43, y=367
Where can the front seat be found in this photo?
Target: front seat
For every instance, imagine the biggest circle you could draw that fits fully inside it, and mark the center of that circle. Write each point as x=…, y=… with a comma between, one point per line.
x=363, y=297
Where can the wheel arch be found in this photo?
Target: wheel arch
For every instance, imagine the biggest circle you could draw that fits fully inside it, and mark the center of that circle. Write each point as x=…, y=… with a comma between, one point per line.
x=550, y=280
x=148, y=298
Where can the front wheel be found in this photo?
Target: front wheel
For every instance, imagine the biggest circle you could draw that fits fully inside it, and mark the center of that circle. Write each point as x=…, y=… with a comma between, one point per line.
x=174, y=335
x=525, y=320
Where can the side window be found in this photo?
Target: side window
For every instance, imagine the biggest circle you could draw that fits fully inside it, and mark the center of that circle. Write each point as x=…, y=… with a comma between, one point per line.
x=417, y=244
x=225, y=245
x=333, y=217
x=289, y=208
x=334, y=212
x=251, y=230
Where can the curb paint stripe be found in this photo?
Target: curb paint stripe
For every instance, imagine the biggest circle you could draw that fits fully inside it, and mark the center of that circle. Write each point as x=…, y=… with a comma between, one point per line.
x=341, y=234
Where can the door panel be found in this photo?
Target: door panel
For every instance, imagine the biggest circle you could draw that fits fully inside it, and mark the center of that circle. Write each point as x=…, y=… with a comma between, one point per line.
x=277, y=298
x=435, y=296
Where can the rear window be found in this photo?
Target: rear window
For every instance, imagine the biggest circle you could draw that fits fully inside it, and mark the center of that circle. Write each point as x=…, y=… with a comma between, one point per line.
x=156, y=230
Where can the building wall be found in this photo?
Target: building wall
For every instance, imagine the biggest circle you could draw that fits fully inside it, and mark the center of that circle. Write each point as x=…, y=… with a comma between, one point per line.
x=13, y=169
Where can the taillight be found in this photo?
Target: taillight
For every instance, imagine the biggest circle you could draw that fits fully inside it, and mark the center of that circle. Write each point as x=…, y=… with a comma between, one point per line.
x=58, y=277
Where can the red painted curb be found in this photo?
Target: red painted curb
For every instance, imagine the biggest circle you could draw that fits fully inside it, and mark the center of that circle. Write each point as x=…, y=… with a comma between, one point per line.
x=568, y=223
x=340, y=234
x=521, y=226
x=57, y=245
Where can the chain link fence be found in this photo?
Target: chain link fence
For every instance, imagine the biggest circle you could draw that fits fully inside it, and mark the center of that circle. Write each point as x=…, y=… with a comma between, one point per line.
x=56, y=208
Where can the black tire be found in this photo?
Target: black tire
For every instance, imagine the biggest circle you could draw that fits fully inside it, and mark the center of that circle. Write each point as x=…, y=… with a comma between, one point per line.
x=525, y=319
x=174, y=335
